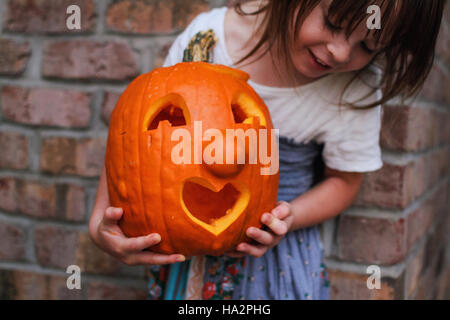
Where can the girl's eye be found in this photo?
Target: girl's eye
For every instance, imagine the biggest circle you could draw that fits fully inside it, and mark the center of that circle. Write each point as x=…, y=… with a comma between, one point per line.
x=331, y=26
x=366, y=49
x=336, y=29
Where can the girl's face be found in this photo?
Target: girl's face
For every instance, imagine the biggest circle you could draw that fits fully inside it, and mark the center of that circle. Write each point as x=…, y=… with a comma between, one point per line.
x=322, y=48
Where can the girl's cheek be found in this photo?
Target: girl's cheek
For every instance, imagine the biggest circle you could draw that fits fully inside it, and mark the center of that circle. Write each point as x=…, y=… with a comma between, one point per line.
x=360, y=63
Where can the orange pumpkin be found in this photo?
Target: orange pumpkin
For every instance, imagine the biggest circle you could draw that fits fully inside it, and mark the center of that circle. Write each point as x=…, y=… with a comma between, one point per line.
x=197, y=208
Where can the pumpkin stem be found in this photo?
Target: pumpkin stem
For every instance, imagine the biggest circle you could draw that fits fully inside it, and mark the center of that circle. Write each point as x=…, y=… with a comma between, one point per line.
x=199, y=47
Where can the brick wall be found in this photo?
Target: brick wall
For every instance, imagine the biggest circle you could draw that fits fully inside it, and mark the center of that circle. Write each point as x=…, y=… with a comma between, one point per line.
x=57, y=89
x=400, y=220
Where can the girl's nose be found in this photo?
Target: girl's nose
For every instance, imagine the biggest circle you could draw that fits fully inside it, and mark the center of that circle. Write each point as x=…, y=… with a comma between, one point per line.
x=340, y=49
x=236, y=152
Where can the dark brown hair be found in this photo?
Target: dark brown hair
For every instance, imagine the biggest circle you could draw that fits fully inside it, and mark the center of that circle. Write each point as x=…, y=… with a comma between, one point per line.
x=409, y=30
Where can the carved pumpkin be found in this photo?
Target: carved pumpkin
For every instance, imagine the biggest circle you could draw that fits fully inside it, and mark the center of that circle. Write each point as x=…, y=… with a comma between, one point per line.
x=196, y=208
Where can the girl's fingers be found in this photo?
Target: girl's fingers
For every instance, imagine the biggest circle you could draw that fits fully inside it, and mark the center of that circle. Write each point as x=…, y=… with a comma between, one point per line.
x=112, y=215
x=282, y=210
x=259, y=235
x=137, y=244
x=235, y=254
x=147, y=257
x=275, y=222
x=279, y=227
x=256, y=251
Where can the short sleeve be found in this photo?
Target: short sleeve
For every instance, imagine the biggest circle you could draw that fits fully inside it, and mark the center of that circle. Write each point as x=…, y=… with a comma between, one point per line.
x=352, y=138
x=353, y=144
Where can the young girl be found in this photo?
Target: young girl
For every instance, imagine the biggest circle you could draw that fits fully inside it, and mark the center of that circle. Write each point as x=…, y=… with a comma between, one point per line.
x=324, y=74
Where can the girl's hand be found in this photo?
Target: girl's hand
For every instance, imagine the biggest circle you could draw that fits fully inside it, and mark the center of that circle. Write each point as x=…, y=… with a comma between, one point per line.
x=109, y=237
x=278, y=222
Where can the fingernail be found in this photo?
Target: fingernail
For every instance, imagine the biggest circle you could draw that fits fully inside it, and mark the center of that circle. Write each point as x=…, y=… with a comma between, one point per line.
x=156, y=237
x=273, y=223
x=180, y=258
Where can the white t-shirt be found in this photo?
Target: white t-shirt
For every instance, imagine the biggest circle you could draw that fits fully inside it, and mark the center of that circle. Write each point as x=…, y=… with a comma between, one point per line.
x=309, y=112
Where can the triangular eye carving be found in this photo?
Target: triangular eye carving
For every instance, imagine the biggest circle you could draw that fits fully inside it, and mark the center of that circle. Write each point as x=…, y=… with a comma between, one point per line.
x=245, y=109
x=171, y=108
x=171, y=113
x=238, y=114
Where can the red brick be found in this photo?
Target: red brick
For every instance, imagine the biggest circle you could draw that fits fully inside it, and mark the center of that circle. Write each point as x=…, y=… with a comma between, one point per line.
x=439, y=164
x=421, y=176
x=413, y=272
x=57, y=289
x=93, y=260
x=186, y=10
x=20, y=285
x=103, y=291
x=443, y=42
x=8, y=194
x=441, y=203
x=161, y=53
x=435, y=124
x=419, y=222
x=437, y=86
x=352, y=286
x=14, y=153
x=426, y=284
x=408, y=128
x=435, y=243
x=46, y=107
x=144, y=17
x=42, y=200
x=27, y=285
x=12, y=246
x=443, y=123
x=369, y=240
x=430, y=169
x=36, y=199
x=74, y=202
x=13, y=56
x=55, y=246
x=394, y=129
x=390, y=187
x=84, y=157
x=109, y=102
x=86, y=59
x=46, y=16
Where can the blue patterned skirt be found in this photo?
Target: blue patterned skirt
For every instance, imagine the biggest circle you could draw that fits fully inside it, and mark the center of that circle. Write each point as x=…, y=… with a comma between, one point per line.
x=293, y=269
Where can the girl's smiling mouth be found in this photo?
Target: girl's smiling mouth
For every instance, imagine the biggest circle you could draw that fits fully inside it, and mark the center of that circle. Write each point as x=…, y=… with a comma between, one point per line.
x=317, y=63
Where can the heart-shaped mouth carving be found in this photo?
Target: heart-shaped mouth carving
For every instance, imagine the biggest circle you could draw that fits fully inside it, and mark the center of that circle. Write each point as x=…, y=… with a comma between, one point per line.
x=213, y=210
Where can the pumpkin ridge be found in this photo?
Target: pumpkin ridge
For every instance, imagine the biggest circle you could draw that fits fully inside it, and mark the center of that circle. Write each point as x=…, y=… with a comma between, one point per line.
x=122, y=116
x=126, y=114
x=139, y=137
x=162, y=162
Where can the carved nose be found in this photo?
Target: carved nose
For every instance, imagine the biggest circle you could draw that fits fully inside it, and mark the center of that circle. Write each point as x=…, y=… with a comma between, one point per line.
x=225, y=159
